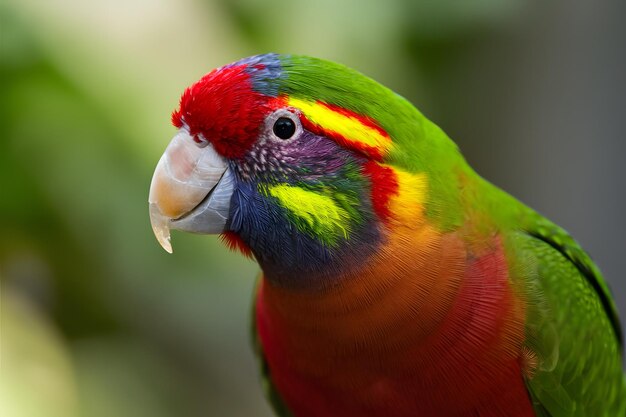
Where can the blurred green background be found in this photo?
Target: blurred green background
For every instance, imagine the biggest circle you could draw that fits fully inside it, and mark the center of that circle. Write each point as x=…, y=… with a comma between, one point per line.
x=98, y=321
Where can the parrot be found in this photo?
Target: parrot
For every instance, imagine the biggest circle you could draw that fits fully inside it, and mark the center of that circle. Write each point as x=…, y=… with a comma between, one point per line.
x=394, y=280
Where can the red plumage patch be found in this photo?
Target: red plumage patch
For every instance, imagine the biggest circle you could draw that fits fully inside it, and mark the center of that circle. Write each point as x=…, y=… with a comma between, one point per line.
x=384, y=185
x=236, y=243
x=223, y=107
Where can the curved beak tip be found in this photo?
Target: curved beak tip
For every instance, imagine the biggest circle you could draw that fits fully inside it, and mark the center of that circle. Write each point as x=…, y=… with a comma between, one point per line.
x=161, y=227
x=165, y=243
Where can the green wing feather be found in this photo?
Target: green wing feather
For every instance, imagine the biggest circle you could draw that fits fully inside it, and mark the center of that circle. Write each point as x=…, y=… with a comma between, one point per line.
x=573, y=327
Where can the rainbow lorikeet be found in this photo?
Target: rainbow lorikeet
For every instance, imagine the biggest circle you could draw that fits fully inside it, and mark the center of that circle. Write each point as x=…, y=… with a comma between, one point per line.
x=395, y=281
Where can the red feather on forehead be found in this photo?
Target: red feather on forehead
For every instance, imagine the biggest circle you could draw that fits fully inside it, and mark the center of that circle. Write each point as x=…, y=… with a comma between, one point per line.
x=223, y=107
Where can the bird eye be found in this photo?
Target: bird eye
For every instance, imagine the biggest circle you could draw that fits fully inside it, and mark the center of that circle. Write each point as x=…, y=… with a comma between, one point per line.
x=284, y=127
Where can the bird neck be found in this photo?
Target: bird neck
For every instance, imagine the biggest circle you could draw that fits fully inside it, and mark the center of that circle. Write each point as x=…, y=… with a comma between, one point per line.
x=422, y=318
x=411, y=280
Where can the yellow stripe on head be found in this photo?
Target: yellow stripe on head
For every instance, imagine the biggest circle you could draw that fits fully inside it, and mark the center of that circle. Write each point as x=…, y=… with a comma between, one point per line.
x=346, y=127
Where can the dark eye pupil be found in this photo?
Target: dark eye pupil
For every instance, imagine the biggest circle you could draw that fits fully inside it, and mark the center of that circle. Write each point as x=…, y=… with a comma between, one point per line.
x=284, y=128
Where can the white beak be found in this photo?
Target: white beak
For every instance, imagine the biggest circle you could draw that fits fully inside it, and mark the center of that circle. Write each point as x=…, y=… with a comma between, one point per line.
x=191, y=190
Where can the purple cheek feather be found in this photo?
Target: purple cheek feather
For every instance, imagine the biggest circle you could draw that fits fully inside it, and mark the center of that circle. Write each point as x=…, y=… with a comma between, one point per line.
x=307, y=158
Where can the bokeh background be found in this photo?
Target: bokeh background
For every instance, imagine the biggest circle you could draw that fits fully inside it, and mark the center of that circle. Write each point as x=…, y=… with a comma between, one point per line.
x=98, y=321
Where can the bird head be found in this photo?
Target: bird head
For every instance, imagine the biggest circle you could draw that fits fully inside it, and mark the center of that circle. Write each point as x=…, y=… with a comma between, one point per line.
x=298, y=161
